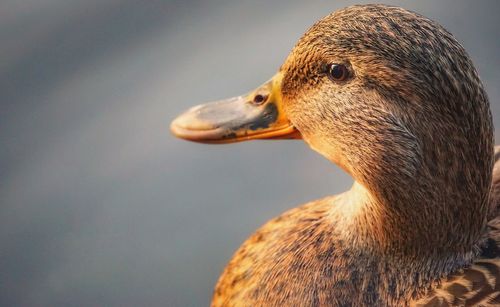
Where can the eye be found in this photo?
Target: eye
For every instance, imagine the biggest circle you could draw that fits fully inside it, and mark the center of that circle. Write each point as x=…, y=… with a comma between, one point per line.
x=338, y=72
x=259, y=99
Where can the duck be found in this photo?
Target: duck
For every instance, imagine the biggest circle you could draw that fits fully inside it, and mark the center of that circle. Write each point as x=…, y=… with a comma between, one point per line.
x=394, y=100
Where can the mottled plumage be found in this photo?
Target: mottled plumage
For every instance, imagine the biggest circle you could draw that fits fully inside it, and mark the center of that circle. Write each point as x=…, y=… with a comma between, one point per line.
x=478, y=284
x=411, y=123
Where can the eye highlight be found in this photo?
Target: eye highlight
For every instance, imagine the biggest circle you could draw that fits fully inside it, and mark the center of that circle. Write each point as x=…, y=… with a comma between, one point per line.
x=338, y=72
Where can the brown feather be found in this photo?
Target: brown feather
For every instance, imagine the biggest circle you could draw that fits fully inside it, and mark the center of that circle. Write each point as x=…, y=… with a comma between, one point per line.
x=413, y=127
x=479, y=284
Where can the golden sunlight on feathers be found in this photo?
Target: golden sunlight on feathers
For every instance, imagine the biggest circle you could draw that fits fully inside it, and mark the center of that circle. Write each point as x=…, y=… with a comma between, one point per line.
x=409, y=120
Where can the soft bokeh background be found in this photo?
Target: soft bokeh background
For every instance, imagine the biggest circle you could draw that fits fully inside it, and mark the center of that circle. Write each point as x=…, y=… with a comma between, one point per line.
x=99, y=204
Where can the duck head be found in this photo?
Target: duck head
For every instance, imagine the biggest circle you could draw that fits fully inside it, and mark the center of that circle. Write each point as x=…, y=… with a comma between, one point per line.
x=392, y=98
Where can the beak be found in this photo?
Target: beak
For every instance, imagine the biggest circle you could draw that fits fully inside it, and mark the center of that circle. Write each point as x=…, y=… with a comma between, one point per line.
x=257, y=115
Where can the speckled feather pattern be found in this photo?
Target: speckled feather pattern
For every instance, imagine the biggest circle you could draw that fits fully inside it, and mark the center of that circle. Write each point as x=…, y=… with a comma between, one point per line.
x=412, y=125
x=478, y=284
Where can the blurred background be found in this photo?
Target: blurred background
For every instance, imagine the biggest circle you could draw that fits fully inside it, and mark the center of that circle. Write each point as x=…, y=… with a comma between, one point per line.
x=99, y=204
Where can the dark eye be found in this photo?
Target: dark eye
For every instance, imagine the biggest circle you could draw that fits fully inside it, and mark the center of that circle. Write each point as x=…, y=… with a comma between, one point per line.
x=259, y=99
x=338, y=72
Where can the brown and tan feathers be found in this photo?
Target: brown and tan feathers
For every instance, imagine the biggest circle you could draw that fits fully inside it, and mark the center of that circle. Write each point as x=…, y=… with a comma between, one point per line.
x=413, y=127
x=267, y=270
x=478, y=285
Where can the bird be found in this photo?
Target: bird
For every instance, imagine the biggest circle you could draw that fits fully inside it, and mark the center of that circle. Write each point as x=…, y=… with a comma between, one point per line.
x=394, y=100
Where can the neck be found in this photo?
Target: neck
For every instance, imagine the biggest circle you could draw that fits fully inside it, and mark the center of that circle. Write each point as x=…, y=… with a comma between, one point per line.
x=403, y=226
x=426, y=199
x=406, y=249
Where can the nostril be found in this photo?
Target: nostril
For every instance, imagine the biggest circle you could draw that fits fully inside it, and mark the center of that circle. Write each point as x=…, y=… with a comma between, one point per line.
x=258, y=99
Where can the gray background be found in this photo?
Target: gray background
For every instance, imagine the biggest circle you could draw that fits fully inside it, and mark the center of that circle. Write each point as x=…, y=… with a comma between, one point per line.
x=99, y=204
